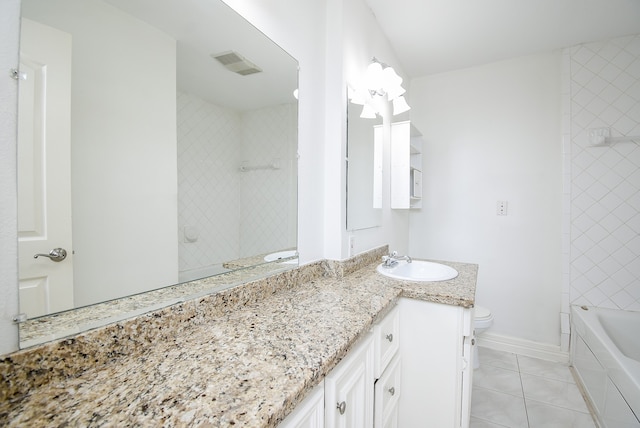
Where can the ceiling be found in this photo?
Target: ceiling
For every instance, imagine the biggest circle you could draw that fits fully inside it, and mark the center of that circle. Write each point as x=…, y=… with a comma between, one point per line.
x=205, y=27
x=433, y=36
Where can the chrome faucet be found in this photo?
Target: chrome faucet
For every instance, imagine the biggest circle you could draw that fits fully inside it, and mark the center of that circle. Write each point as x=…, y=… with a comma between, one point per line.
x=393, y=258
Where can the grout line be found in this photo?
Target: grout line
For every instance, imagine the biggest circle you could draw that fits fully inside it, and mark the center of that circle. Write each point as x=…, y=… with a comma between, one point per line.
x=576, y=381
x=524, y=398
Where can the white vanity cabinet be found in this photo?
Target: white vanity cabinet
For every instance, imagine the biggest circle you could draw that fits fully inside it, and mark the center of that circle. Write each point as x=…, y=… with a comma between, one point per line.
x=406, y=166
x=437, y=367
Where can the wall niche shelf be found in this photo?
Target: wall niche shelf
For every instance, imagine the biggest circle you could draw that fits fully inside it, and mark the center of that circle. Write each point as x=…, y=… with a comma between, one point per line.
x=406, y=166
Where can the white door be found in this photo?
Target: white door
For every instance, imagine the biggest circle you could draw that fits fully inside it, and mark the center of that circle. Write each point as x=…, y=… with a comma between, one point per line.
x=44, y=183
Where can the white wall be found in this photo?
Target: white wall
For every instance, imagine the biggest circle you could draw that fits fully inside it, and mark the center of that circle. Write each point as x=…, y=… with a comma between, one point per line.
x=9, y=35
x=493, y=133
x=603, y=90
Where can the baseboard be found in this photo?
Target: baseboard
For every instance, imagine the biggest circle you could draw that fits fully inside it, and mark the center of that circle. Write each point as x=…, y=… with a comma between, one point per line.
x=523, y=347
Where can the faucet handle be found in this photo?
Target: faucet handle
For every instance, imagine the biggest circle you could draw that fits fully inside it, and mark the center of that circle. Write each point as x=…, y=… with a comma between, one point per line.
x=393, y=254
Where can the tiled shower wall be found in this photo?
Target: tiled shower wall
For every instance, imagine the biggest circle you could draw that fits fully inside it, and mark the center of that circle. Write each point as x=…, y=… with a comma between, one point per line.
x=233, y=213
x=209, y=140
x=602, y=184
x=269, y=196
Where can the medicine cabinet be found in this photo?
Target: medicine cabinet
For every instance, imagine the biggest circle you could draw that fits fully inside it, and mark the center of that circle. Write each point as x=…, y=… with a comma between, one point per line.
x=406, y=166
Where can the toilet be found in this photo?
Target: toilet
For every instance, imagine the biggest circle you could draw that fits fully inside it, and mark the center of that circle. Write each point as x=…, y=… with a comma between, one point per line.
x=482, y=320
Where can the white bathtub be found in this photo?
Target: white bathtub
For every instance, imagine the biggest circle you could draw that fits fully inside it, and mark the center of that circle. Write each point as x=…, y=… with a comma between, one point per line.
x=605, y=352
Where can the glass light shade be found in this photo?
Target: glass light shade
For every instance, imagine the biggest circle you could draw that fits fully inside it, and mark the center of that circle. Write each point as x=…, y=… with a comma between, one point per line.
x=390, y=78
x=400, y=105
x=368, y=112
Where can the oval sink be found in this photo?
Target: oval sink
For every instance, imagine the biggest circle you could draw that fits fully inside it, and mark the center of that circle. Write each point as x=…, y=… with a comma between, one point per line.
x=419, y=270
x=281, y=255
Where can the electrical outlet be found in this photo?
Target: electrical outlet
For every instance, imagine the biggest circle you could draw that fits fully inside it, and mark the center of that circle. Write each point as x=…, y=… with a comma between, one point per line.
x=501, y=208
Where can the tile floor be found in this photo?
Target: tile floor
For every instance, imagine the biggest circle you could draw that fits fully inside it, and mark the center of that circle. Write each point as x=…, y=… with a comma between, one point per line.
x=515, y=391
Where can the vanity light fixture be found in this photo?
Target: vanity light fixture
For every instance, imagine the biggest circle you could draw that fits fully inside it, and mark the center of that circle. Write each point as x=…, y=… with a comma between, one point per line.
x=380, y=79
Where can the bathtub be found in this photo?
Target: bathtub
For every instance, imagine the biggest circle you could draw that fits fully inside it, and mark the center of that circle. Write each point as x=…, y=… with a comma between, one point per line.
x=605, y=354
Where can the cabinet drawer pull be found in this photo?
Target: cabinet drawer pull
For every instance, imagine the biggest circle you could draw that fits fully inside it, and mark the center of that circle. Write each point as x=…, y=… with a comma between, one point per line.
x=392, y=390
x=389, y=337
x=342, y=407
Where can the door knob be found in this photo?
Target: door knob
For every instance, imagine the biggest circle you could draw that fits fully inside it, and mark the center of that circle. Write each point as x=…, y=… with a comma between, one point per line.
x=55, y=255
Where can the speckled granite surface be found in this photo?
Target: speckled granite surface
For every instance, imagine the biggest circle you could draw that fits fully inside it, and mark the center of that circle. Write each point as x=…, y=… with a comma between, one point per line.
x=244, y=356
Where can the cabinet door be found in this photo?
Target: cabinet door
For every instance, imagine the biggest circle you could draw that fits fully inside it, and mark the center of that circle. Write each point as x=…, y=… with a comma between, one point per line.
x=431, y=350
x=309, y=413
x=349, y=389
x=406, y=158
x=400, y=165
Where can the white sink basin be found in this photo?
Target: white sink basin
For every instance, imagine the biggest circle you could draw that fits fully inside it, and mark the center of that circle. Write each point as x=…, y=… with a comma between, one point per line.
x=419, y=270
x=282, y=255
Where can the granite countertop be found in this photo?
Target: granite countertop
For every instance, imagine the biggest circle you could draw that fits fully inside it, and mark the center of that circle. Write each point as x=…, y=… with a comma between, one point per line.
x=248, y=366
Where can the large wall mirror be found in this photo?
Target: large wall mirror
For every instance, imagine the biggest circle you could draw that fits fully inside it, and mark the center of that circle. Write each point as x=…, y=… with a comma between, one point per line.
x=364, y=170
x=157, y=145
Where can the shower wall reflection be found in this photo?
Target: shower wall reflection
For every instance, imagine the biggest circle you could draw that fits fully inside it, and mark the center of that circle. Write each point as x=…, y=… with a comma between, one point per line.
x=226, y=214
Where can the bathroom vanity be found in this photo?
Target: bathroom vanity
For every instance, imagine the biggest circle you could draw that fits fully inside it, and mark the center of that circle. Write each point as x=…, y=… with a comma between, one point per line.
x=252, y=356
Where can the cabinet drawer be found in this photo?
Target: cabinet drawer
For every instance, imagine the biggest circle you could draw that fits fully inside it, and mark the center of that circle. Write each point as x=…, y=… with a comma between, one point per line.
x=387, y=335
x=386, y=396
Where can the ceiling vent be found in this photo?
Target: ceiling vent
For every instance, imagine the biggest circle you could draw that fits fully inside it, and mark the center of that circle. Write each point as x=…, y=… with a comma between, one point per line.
x=235, y=62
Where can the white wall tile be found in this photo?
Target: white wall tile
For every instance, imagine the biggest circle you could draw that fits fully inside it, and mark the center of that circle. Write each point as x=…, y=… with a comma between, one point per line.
x=605, y=181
